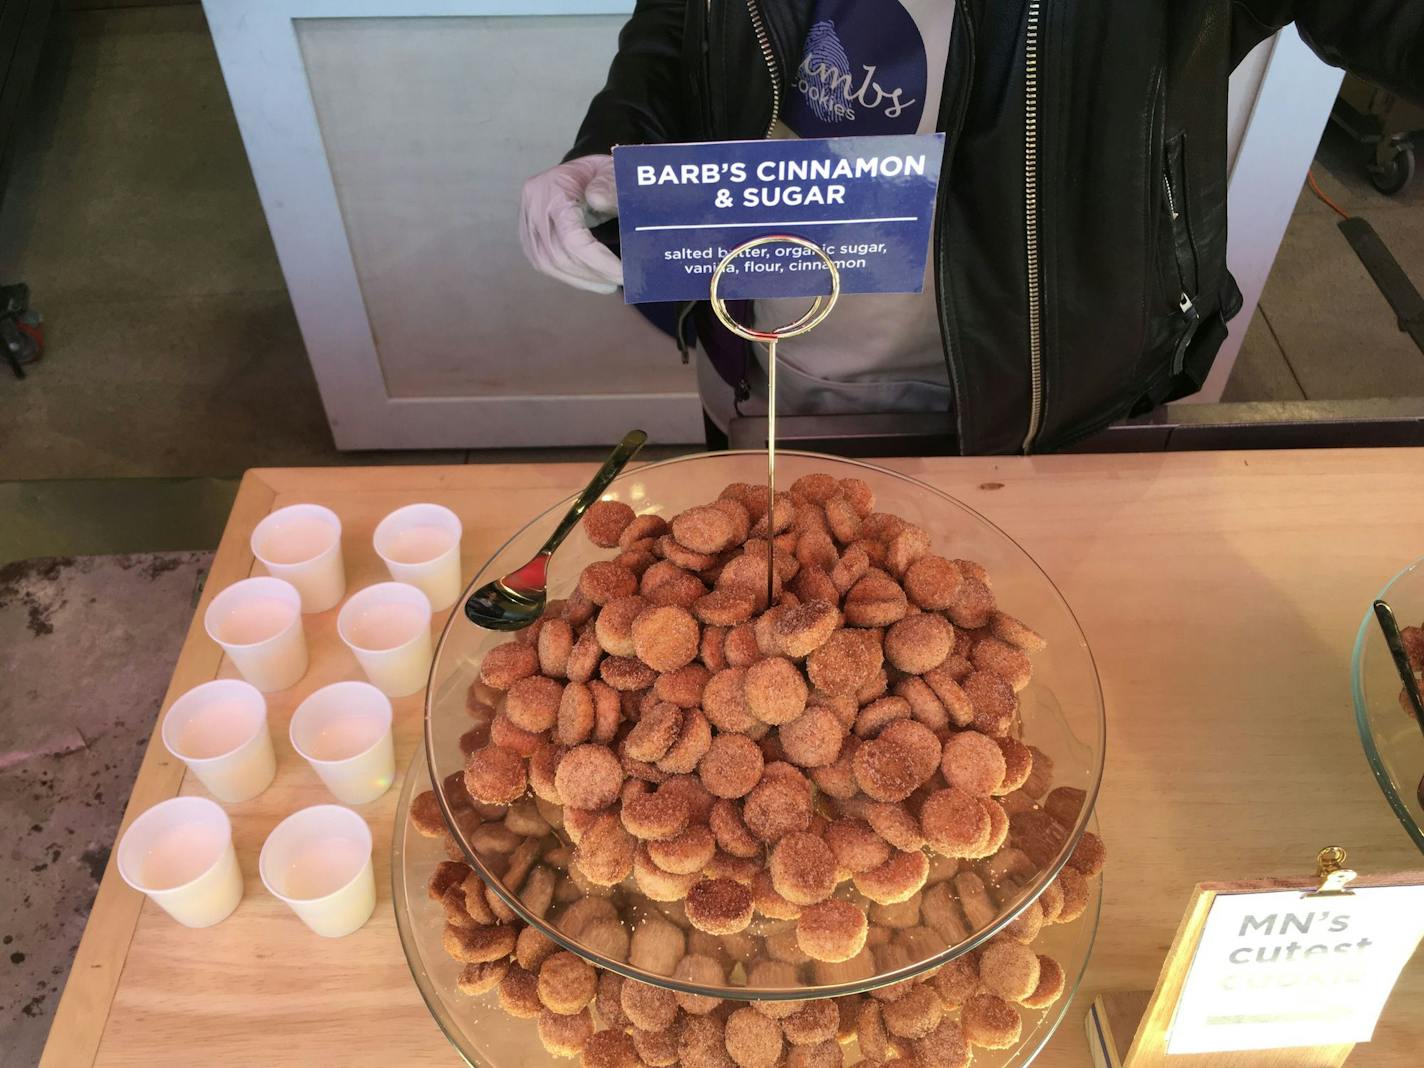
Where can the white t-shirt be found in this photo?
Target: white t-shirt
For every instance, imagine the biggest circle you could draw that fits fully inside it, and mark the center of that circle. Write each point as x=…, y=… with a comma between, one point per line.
x=866, y=68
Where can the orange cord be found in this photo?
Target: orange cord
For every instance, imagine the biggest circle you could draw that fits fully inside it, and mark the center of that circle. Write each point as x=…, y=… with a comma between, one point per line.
x=1315, y=188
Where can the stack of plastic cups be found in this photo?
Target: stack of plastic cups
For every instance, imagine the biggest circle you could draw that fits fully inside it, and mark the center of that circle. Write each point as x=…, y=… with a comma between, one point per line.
x=219, y=729
x=258, y=623
x=420, y=545
x=344, y=732
x=179, y=853
x=301, y=544
x=387, y=626
x=318, y=861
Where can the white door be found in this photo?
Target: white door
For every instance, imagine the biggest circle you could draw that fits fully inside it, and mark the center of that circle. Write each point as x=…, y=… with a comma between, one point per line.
x=389, y=141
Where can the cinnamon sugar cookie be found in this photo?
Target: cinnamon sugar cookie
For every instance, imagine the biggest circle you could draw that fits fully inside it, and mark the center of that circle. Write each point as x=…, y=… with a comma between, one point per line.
x=719, y=906
x=803, y=868
x=833, y=930
x=605, y=522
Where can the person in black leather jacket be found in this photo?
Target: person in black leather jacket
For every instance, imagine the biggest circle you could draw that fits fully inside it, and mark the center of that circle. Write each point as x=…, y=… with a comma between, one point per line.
x=1079, y=253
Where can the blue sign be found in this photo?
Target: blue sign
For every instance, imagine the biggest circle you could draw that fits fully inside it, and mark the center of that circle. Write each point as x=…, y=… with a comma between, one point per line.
x=868, y=201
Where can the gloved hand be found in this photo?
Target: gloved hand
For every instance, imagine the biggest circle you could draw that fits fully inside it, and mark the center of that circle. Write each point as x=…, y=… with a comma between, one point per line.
x=558, y=209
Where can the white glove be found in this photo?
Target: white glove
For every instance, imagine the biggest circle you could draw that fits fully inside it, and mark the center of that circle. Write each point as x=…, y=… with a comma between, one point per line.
x=558, y=209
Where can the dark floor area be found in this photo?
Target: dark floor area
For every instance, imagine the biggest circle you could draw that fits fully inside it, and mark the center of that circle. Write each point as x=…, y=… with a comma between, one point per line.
x=1323, y=330
x=174, y=351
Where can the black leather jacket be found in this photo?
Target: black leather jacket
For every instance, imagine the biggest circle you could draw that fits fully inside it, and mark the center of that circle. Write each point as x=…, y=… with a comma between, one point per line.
x=1119, y=221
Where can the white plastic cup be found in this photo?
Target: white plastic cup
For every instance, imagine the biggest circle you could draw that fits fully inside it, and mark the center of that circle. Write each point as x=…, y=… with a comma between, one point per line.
x=301, y=544
x=219, y=729
x=344, y=732
x=420, y=544
x=180, y=854
x=387, y=626
x=318, y=861
x=258, y=622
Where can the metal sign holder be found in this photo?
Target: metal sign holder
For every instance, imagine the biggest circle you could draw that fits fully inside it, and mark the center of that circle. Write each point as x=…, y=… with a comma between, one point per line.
x=813, y=317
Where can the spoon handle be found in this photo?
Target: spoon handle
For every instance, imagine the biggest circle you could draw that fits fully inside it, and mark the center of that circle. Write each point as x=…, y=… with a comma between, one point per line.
x=617, y=460
x=1385, y=615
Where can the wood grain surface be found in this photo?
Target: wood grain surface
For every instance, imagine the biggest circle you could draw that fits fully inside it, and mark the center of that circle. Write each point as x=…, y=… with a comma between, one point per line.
x=1220, y=594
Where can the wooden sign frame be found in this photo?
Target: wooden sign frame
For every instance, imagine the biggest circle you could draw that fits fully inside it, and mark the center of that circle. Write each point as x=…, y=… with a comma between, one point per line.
x=1148, y=1017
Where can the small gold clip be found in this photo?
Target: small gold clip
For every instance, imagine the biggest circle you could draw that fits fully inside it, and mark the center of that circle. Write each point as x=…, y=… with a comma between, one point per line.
x=1330, y=868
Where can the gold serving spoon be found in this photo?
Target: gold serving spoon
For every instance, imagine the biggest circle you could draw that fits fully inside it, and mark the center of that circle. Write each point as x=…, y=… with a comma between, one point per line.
x=518, y=599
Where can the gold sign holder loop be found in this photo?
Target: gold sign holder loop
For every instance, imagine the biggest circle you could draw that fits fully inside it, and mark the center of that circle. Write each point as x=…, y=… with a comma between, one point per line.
x=1333, y=875
x=813, y=317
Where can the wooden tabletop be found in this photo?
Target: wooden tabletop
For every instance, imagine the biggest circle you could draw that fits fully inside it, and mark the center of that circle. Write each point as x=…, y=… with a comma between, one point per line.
x=1220, y=594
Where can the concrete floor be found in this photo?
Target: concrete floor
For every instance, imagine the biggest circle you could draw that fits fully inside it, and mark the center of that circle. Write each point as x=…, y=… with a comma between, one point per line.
x=1323, y=331
x=84, y=676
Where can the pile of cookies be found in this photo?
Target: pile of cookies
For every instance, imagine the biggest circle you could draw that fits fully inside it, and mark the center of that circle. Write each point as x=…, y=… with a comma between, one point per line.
x=766, y=747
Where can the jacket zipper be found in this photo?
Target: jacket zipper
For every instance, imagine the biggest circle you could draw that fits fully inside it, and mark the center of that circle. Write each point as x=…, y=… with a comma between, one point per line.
x=951, y=141
x=1184, y=300
x=687, y=308
x=1035, y=293
x=764, y=42
x=707, y=70
x=743, y=389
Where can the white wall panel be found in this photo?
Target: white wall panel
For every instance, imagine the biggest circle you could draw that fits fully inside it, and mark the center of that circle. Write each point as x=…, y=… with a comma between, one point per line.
x=431, y=127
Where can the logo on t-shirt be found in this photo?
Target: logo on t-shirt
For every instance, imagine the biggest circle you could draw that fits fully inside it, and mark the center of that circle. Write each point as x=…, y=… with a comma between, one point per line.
x=862, y=71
